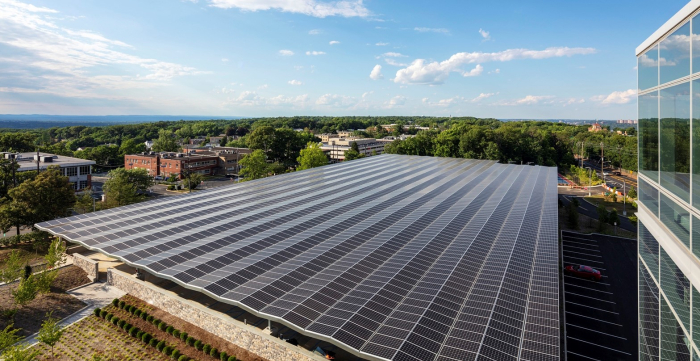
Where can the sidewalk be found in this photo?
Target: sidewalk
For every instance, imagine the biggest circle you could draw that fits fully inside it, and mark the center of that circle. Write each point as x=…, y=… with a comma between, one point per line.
x=93, y=295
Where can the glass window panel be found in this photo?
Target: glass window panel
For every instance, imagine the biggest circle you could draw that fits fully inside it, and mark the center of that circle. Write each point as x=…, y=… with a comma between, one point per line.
x=675, y=140
x=648, y=68
x=648, y=317
x=696, y=316
x=673, y=342
x=649, y=250
x=649, y=135
x=696, y=240
x=696, y=44
x=649, y=196
x=674, y=55
x=676, y=218
x=676, y=288
x=696, y=143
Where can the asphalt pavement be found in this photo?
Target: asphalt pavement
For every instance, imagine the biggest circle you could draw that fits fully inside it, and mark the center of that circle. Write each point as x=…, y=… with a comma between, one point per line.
x=588, y=209
x=600, y=316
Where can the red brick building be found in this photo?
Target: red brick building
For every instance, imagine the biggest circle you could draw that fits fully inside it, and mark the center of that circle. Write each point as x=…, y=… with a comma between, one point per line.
x=167, y=164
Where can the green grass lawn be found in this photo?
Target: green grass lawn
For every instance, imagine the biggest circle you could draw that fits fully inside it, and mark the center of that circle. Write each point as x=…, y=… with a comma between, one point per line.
x=619, y=205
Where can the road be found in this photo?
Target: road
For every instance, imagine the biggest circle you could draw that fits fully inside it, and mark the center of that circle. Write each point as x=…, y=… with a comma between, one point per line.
x=613, y=180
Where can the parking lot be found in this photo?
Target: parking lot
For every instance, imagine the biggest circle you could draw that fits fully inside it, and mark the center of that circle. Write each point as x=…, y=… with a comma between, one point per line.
x=601, y=316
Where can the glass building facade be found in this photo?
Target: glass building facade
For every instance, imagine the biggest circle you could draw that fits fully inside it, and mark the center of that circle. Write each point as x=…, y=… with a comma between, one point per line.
x=669, y=189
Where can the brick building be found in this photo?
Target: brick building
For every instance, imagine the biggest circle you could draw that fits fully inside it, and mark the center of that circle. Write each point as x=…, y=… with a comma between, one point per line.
x=167, y=164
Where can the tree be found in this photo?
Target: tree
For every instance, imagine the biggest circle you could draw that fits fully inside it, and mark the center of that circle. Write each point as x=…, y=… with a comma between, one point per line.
x=261, y=138
x=602, y=216
x=130, y=146
x=26, y=292
x=572, y=215
x=17, y=142
x=223, y=141
x=50, y=332
x=254, y=165
x=44, y=198
x=20, y=353
x=125, y=186
x=165, y=142
x=193, y=180
x=613, y=218
x=632, y=193
x=12, y=269
x=311, y=157
x=84, y=202
x=8, y=337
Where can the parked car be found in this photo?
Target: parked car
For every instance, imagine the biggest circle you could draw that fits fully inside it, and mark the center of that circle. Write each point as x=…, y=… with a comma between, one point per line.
x=583, y=272
x=617, y=173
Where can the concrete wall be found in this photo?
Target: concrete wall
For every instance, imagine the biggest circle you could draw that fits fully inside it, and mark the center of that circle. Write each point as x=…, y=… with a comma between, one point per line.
x=246, y=337
x=89, y=266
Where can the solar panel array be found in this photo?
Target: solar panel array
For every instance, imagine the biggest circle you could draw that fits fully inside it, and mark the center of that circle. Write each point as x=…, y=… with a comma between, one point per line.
x=389, y=257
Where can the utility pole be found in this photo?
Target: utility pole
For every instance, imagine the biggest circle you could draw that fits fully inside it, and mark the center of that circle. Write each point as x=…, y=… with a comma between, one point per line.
x=602, y=161
x=581, y=155
x=624, y=197
x=37, y=160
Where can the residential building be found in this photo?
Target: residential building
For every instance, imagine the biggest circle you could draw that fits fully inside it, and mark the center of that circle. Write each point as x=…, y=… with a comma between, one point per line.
x=627, y=121
x=228, y=157
x=326, y=137
x=78, y=171
x=595, y=128
x=335, y=148
x=669, y=189
x=167, y=164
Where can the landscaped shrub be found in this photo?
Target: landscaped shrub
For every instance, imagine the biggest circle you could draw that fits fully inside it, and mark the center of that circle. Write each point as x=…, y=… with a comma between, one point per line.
x=103, y=313
x=183, y=358
x=97, y=312
x=162, y=326
x=169, y=329
x=153, y=342
x=109, y=316
x=214, y=352
x=175, y=354
x=176, y=333
x=137, y=313
x=121, y=304
x=189, y=341
x=115, y=302
x=131, y=309
x=150, y=318
x=232, y=358
x=207, y=348
x=183, y=336
x=134, y=332
x=223, y=356
x=160, y=345
x=115, y=320
x=167, y=350
x=146, y=337
x=198, y=344
x=155, y=322
x=139, y=334
x=144, y=315
x=126, y=326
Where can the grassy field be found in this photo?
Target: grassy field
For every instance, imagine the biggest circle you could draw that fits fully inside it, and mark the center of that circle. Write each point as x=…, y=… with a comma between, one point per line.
x=618, y=206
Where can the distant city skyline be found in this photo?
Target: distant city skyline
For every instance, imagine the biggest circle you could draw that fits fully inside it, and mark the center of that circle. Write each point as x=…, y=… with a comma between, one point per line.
x=506, y=60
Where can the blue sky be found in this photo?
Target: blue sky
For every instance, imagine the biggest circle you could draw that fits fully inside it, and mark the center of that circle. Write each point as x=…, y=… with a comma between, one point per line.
x=503, y=59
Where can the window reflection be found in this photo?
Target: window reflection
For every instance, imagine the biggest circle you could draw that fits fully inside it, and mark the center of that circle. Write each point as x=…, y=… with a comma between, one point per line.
x=649, y=135
x=674, y=55
x=676, y=218
x=648, y=68
x=696, y=144
x=675, y=140
x=696, y=44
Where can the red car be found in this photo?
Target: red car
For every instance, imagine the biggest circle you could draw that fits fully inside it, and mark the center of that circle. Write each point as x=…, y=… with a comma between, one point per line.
x=583, y=272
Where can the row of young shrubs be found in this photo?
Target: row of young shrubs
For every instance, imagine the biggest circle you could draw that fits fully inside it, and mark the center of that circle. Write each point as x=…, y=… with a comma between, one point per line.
x=187, y=339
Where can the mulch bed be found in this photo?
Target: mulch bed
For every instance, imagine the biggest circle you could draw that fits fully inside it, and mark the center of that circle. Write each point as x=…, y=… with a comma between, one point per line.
x=30, y=317
x=192, y=330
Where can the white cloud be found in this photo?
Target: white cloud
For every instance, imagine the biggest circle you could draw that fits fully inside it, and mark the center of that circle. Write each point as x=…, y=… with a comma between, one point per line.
x=335, y=100
x=478, y=69
x=396, y=101
x=251, y=98
x=264, y=86
x=457, y=99
x=295, y=82
x=497, y=71
x=96, y=37
x=315, y=32
x=422, y=72
x=286, y=52
x=298, y=67
x=432, y=30
x=367, y=94
x=376, y=73
x=393, y=62
x=225, y=60
x=381, y=44
x=334, y=42
x=392, y=54
x=616, y=97
x=485, y=34
x=532, y=99
x=345, y=8
x=315, y=53
x=482, y=96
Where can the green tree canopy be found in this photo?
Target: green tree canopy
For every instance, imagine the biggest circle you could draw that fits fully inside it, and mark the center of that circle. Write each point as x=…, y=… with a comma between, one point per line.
x=126, y=186
x=130, y=146
x=312, y=156
x=17, y=142
x=193, y=180
x=51, y=332
x=44, y=198
x=254, y=165
x=166, y=142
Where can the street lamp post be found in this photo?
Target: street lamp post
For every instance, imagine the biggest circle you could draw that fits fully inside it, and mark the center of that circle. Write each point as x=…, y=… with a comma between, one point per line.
x=624, y=197
x=590, y=180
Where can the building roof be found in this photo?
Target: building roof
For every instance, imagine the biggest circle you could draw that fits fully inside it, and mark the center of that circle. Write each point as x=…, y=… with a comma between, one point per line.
x=27, y=163
x=390, y=257
x=669, y=25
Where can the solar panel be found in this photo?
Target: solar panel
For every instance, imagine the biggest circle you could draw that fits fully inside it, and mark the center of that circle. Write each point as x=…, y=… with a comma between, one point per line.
x=389, y=257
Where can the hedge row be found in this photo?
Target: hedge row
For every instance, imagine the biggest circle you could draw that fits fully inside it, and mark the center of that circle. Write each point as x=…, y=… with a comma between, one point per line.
x=187, y=339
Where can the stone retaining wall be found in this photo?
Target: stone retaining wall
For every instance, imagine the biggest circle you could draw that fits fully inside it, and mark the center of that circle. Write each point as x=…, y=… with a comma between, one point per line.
x=216, y=323
x=88, y=265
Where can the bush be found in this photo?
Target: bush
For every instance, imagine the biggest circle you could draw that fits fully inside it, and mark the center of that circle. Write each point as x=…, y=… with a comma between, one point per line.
x=207, y=348
x=176, y=333
x=162, y=326
x=223, y=356
x=126, y=326
x=115, y=302
x=156, y=322
x=160, y=345
x=115, y=320
x=132, y=309
x=97, y=312
x=146, y=337
x=134, y=332
x=183, y=336
x=175, y=354
x=144, y=315
x=153, y=342
x=121, y=304
x=232, y=358
x=169, y=329
x=137, y=313
x=109, y=317
x=189, y=341
x=214, y=352
x=103, y=314
x=183, y=358
x=150, y=318
x=171, y=187
x=167, y=350
x=198, y=344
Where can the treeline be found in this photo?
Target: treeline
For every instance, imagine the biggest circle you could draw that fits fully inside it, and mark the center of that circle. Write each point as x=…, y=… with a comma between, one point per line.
x=543, y=143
